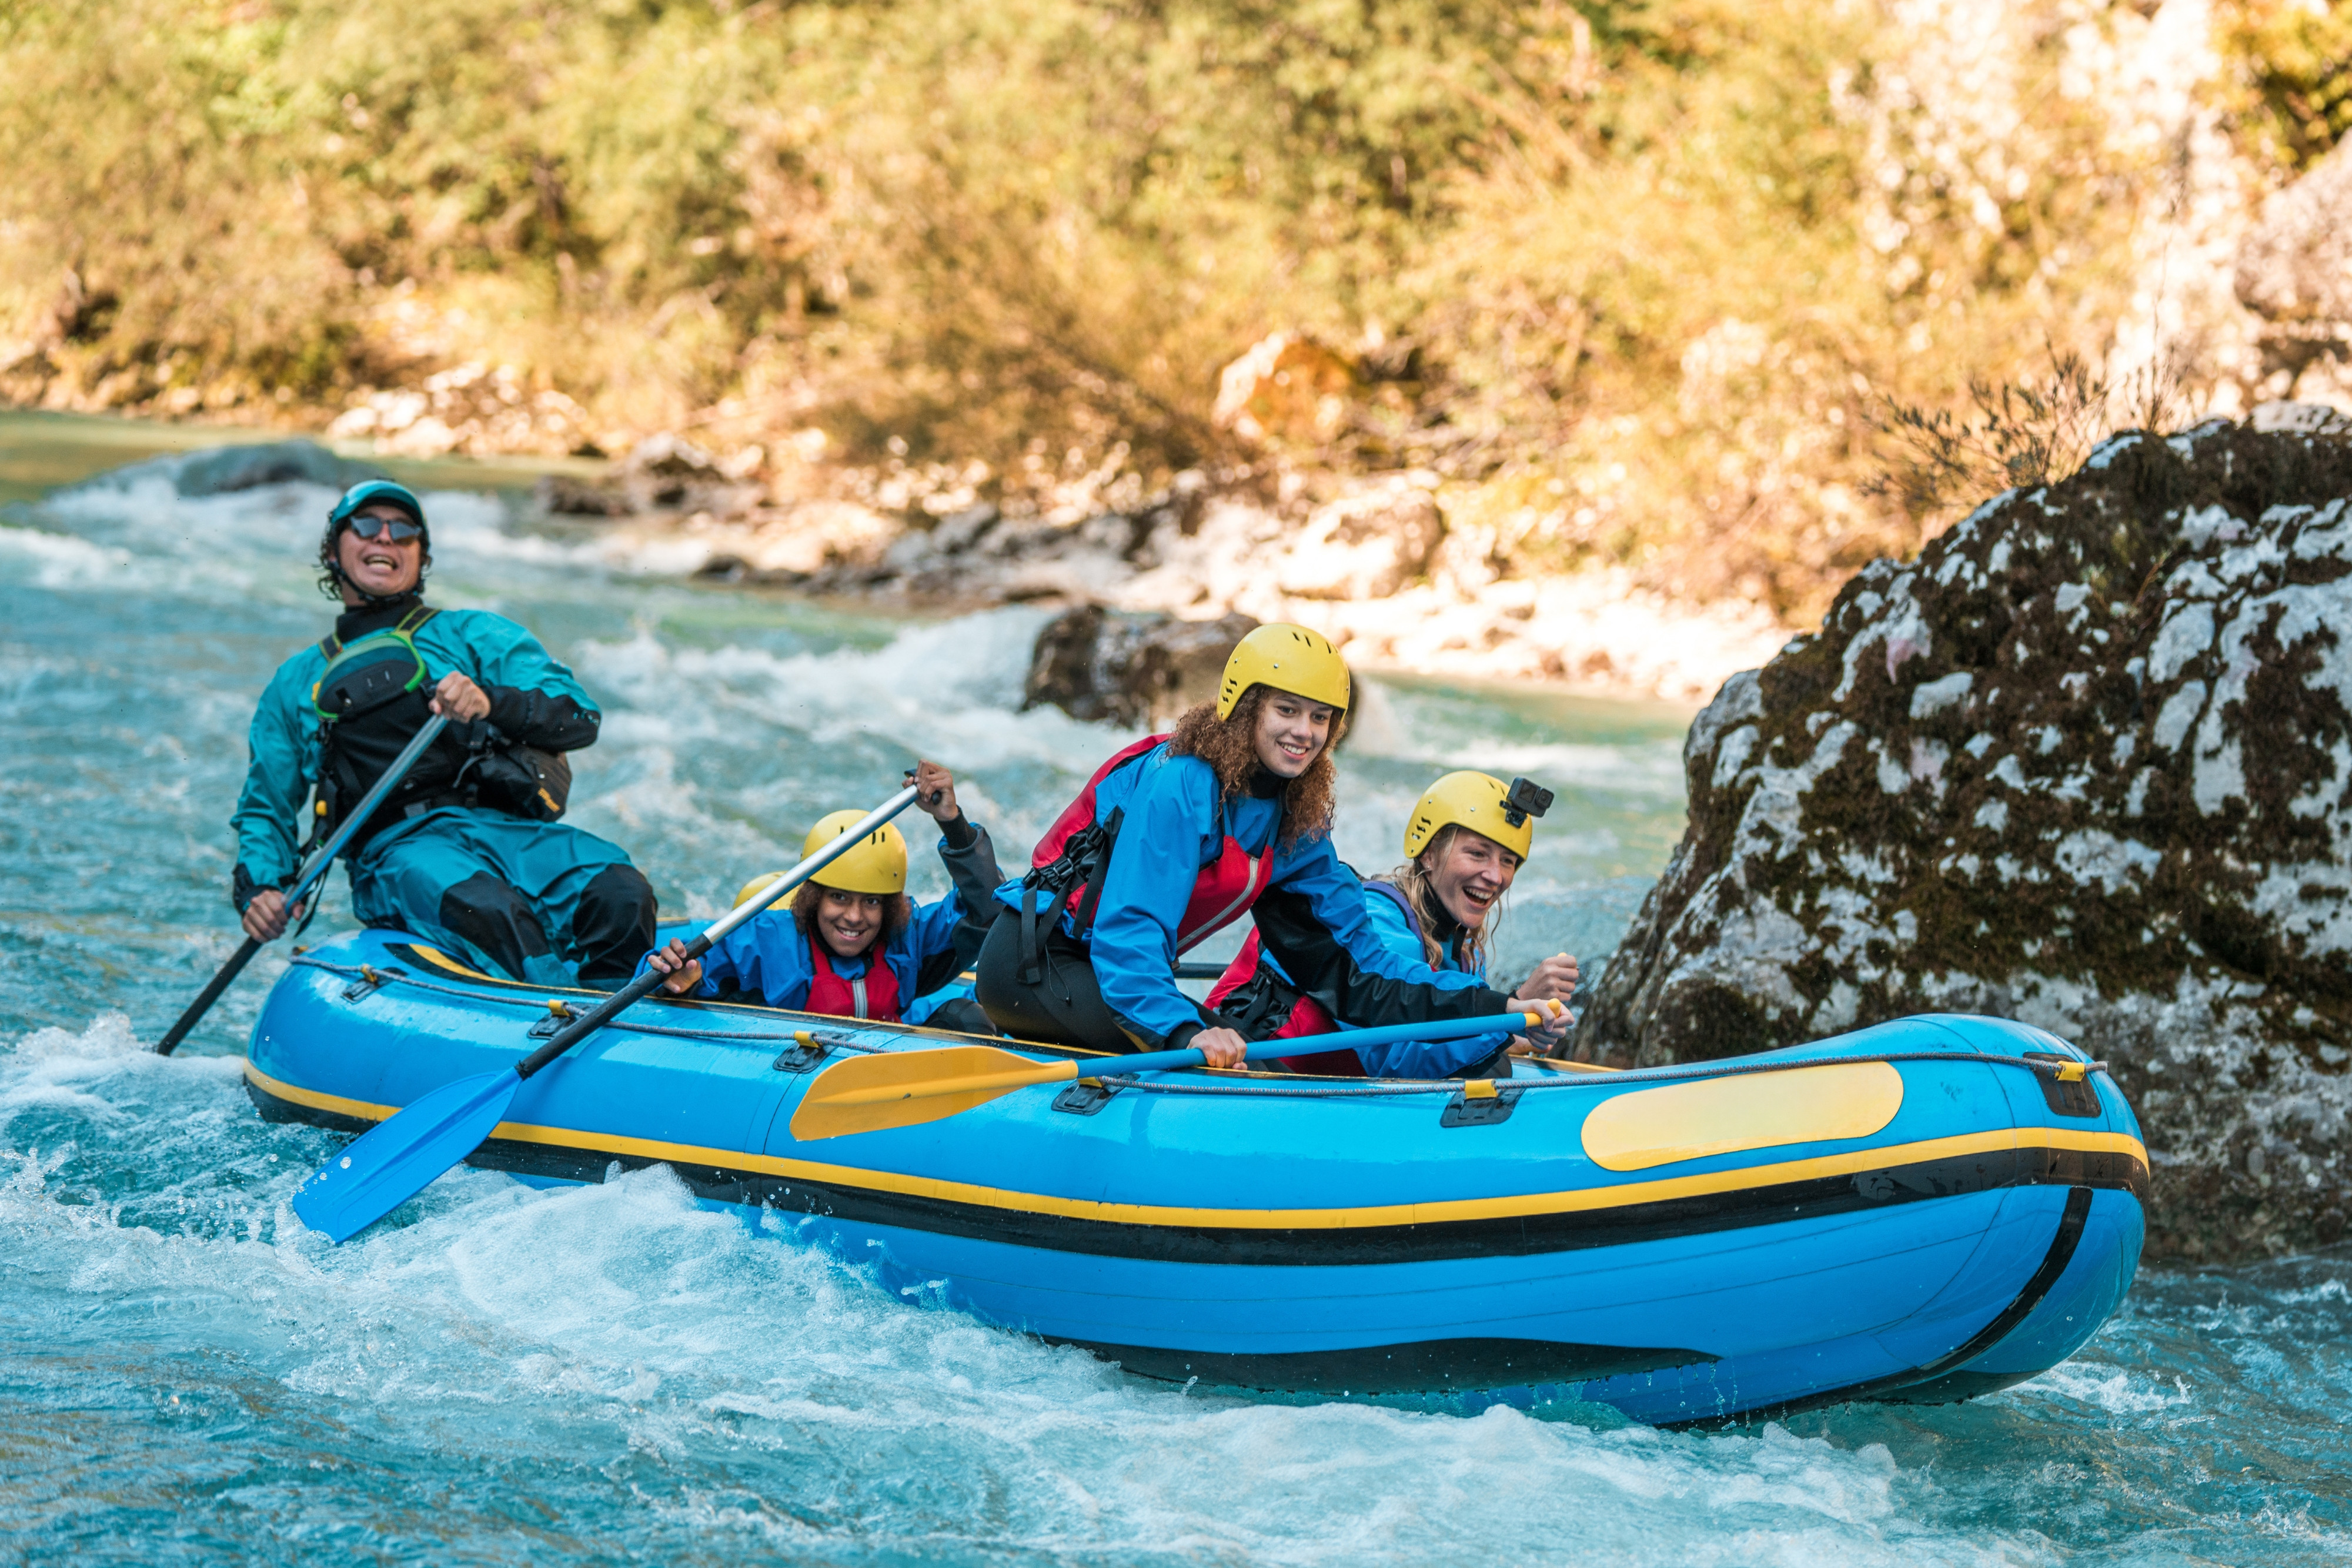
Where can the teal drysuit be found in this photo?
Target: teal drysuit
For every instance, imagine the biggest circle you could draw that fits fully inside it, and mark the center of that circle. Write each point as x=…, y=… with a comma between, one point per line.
x=535, y=901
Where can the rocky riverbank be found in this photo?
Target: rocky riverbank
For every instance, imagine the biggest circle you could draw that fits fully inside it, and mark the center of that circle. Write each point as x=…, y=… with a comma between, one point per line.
x=1386, y=567
x=2087, y=762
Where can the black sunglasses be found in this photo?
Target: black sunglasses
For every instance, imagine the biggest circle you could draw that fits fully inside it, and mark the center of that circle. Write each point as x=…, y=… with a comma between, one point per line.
x=368, y=526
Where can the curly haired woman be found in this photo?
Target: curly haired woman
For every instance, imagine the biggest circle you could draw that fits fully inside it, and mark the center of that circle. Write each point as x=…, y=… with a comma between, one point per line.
x=1181, y=834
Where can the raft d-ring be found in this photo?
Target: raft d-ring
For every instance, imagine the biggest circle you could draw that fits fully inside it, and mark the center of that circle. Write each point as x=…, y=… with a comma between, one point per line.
x=803, y=1054
x=370, y=979
x=559, y=1013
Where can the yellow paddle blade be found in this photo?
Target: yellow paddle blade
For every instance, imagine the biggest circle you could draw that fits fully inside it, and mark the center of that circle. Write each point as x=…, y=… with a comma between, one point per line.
x=906, y=1088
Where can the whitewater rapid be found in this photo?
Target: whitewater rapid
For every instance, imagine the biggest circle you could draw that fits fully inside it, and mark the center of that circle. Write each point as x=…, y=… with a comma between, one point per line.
x=610, y=1374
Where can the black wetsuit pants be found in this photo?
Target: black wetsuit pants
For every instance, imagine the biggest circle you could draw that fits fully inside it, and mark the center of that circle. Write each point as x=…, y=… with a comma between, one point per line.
x=1063, y=1005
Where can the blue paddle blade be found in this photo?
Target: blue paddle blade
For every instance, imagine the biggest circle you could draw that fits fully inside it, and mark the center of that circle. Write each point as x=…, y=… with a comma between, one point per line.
x=399, y=1157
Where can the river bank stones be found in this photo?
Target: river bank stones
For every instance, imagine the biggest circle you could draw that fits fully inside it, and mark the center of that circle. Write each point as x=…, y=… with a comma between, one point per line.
x=2086, y=762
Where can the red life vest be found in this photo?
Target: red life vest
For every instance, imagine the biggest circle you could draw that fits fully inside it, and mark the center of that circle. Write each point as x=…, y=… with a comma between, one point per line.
x=1307, y=1014
x=1222, y=891
x=872, y=995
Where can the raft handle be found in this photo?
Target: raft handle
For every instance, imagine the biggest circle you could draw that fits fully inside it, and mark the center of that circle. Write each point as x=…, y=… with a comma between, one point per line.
x=2066, y=1086
x=370, y=978
x=559, y=1013
x=1085, y=1097
x=805, y=1051
x=1481, y=1102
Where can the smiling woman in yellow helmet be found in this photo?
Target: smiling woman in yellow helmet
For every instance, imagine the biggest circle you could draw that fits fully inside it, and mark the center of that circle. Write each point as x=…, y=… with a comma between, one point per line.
x=1463, y=843
x=851, y=943
x=1179, y=834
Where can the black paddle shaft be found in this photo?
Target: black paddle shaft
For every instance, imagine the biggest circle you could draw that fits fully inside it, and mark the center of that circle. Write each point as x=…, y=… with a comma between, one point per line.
x=312, y=870
x=208, y=997
x=595, y=1017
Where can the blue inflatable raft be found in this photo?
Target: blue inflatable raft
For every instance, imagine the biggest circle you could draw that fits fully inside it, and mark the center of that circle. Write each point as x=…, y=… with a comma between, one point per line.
x=1921, y=1211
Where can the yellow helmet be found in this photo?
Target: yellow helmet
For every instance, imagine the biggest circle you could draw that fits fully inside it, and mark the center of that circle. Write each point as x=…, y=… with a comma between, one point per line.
x=878, y=864
x=754, y=886
x=1289, y=659
x=1482, y=803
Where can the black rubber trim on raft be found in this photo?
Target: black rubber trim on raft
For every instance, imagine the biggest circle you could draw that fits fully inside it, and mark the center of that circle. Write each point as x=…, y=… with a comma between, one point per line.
x=1508, y=1238
x=1941, y=1380
x=1420, y=1366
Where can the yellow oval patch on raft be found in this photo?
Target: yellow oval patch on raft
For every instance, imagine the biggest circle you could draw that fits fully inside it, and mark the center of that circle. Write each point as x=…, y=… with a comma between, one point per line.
x=1749, y=1110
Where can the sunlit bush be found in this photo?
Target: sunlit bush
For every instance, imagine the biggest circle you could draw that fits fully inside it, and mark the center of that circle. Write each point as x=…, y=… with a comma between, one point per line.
x=1633, y=277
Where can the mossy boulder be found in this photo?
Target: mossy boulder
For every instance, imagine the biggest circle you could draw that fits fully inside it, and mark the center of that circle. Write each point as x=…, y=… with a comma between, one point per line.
x=2086, y=761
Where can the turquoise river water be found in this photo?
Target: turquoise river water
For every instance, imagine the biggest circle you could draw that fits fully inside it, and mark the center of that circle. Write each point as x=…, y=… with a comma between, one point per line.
x=610, y=1375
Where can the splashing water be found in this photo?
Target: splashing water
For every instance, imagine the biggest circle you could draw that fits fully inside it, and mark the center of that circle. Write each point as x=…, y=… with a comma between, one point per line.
x=610, y=1374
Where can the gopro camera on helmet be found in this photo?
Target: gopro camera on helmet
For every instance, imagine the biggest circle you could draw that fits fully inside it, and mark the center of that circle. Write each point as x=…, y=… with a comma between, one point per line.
x=1526, y=799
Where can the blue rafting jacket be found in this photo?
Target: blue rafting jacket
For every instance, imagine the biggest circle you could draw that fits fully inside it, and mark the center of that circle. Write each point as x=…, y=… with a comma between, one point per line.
x=768, y=956
x=1408, y=1058
x=1312, y=914
x=501, y=657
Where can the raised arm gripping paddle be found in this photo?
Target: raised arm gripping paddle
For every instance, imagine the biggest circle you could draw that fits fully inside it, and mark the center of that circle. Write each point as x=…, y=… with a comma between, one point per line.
x=399, y=1156
x=312, y=870
x=907, y=1088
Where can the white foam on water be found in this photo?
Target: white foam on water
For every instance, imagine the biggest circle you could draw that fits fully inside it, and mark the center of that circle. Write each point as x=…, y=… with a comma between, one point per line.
x=60, y=560
x=143, y=534
x=2119, y=1391
x=622, y=1325
x=950, y=688
x=1652, y=769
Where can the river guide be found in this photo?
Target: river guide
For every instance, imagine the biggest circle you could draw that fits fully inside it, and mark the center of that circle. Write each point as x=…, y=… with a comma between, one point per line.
x=467, y=853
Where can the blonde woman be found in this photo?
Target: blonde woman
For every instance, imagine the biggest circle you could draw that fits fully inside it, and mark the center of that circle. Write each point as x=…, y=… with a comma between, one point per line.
x=1463, y=844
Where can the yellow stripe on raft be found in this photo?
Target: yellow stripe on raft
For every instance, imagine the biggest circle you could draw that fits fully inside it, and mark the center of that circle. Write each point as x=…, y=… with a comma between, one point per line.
x=1441, y=1212
x=1678, y=1121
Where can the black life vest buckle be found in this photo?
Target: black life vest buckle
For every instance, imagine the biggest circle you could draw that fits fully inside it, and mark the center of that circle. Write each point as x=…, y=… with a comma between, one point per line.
x=1084, y=857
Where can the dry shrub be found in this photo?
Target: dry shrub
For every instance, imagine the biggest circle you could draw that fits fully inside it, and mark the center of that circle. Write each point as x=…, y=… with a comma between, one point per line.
x=2019, y=435
x=1633, y=276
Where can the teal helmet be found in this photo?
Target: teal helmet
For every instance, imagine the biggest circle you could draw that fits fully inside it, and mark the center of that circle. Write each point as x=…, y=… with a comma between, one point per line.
x=384, y=492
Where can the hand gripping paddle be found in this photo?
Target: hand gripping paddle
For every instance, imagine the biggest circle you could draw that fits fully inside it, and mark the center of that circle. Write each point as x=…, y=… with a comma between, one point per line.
x=312, y=870
x=907, y=1088
x=401, y=1155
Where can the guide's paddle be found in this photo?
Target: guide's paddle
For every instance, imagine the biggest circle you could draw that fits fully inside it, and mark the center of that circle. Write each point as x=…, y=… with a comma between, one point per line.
x=399, y=1157
x=312, y=870
x=907, y=1088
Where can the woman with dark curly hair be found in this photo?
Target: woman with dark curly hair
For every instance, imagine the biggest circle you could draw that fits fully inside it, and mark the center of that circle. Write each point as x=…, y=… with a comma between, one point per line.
x=1179, y=835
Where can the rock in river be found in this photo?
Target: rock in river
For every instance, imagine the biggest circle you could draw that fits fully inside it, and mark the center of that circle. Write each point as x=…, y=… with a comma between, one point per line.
x=1095, y=664
x=2087, y=762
